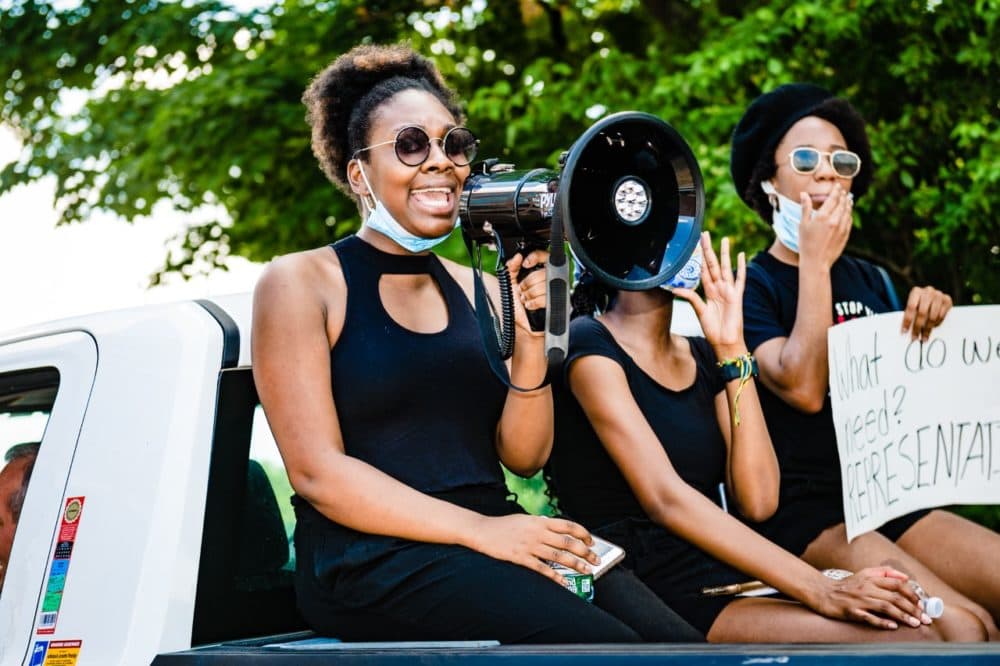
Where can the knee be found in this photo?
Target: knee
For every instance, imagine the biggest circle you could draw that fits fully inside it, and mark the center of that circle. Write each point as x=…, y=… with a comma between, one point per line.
x=961, y=625
x=990, y=625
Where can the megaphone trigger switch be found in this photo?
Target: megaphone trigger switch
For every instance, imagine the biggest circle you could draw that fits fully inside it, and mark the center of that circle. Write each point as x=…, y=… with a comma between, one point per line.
x=536, y=318
x=631, y=200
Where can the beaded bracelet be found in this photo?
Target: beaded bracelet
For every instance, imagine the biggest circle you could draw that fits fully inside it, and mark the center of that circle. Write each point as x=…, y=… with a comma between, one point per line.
x=742, y=368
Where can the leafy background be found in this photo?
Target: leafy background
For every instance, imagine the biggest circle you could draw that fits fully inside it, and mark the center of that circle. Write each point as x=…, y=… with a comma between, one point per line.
x=129, y=103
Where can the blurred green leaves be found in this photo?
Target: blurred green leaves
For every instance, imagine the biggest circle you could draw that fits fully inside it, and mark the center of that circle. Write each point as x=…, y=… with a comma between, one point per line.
x=130, y=103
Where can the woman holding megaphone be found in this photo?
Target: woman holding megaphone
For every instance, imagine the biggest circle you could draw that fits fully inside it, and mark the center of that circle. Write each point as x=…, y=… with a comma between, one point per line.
x=648, y=423
x=800, y=156
x=371, y=371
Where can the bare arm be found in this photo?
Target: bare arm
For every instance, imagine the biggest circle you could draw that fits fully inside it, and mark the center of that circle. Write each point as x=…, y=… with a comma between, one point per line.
x=795, y=368
x=525, y=431
x=752, y=475
x=602, y=389
x=293, y=330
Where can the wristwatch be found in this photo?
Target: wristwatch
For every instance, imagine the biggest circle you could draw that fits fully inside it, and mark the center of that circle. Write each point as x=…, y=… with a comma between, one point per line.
x=731, y=370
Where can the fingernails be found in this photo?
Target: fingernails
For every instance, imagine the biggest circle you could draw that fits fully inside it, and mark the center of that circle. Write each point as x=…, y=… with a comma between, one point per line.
x=925, y=618
x=893, y=625
x=912, y=621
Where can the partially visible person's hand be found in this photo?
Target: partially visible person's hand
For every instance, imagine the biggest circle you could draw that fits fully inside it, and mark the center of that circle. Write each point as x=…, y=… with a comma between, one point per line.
x=529, y=290
x=721, y=313
x=531, y=541
x=823, y=232
x=925, y=309
x=878, y=596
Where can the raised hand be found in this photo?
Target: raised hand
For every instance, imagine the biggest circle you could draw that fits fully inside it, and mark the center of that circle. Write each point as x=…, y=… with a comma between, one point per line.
x=531, y=541
x=878, y=596
x=823, y=232
x=721, y=313
x=925, y=308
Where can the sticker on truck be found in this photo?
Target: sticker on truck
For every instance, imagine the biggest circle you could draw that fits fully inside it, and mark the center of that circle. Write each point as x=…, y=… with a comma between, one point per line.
x=60, y=566
x=55, y=653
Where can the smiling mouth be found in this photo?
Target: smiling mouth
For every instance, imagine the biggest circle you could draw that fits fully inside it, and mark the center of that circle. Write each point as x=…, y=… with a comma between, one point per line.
x=441, y=198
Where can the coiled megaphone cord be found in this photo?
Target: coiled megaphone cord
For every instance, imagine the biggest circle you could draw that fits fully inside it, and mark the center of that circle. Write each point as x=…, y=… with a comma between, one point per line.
x=486, y=318
x=506, y=323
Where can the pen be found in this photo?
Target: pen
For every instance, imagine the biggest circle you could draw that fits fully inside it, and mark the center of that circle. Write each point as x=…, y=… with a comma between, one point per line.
x=734, y=588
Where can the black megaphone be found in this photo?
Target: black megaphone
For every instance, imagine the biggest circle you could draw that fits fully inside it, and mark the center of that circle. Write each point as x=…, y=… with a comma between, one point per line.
x=629, y=195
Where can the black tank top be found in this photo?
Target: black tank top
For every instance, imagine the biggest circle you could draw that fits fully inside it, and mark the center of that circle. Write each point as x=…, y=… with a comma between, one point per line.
x=421, y=407
x=589, y=484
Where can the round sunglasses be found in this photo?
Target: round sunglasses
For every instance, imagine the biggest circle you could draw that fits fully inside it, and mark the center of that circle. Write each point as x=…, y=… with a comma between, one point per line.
x=413, y=146
x=806, y=160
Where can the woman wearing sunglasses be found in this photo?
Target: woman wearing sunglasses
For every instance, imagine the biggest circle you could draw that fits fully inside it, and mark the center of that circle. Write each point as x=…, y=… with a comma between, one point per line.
x=799, y=158
x=405, y=530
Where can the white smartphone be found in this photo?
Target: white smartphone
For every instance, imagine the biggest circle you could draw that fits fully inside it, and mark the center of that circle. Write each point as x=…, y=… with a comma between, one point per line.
x=610, y=554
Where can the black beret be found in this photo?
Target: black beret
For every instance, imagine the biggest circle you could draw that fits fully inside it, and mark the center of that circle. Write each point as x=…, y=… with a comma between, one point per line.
x=766, y=120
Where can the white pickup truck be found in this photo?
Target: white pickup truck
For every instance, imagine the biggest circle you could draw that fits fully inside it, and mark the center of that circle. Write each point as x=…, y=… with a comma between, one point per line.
x=156, y=525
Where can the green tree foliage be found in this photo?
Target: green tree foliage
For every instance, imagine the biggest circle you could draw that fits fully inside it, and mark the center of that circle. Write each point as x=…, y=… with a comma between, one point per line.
x=131, y=102
x=128, y=103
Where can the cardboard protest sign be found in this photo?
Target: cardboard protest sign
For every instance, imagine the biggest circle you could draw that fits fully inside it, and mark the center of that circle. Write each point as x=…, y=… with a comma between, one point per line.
x=918, y=424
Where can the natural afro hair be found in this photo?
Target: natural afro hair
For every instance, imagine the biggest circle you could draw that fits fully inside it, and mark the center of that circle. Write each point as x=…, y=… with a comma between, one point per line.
x=342, y=99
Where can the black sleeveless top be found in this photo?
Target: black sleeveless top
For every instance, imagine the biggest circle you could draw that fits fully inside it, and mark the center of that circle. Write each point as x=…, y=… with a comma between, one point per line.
x=590, y=487
x=421, y=407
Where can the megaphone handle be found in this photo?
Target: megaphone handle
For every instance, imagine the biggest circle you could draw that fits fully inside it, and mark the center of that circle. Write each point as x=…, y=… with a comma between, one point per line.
x=536, y=318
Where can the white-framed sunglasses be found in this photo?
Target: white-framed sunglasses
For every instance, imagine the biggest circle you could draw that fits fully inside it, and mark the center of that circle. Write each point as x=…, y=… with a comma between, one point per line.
x=413, y=146
x=806, y=160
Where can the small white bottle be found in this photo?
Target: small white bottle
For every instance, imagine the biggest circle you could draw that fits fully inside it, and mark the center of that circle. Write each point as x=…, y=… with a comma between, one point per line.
x=933, y=606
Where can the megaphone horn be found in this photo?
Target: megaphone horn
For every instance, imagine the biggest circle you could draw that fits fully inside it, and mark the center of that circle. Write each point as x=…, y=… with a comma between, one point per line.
x=633, y=199
x=629, y=193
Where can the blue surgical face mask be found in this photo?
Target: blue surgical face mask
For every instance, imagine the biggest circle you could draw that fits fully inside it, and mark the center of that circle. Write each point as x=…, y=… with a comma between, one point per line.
x=689, y=277
x=786, y=216
x=381, y=220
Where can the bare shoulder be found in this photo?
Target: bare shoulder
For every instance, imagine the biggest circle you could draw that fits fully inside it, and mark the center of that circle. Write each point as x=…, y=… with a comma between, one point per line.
x=301, y=274
x=306, y=285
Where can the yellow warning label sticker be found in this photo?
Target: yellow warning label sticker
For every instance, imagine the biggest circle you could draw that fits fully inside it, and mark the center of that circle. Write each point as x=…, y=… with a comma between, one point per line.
x=62, y=653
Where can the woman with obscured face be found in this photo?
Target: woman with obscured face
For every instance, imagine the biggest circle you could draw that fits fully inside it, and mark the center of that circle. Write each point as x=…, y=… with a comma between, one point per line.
x=800, y=157
x=649, y=423
x=392, y=427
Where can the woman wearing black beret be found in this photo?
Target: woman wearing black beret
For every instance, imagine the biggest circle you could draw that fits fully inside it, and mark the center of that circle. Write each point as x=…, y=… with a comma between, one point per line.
x=800, y=156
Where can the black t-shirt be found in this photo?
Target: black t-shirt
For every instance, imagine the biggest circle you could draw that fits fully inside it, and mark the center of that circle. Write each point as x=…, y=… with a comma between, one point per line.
x=806, y=444
x=589, y=485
